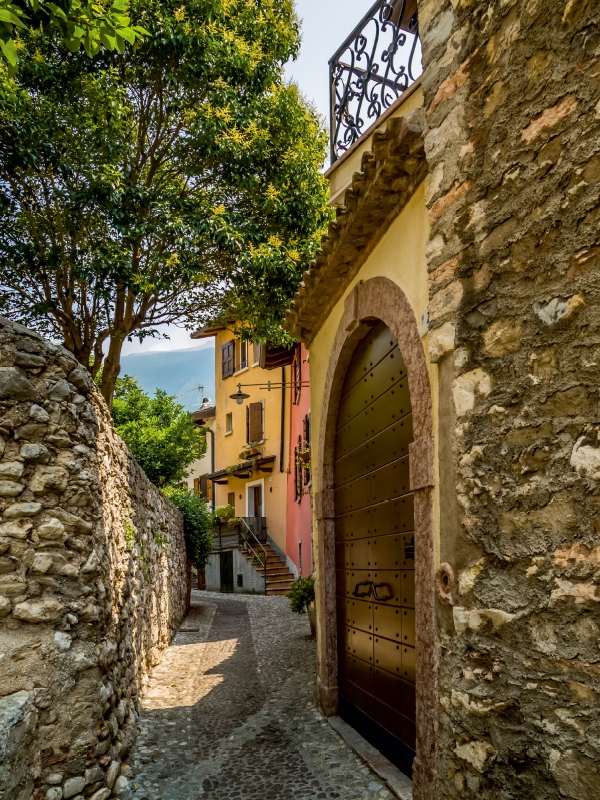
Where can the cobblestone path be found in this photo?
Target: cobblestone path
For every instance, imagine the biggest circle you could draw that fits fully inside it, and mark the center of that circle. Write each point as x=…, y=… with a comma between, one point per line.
x=230, y=712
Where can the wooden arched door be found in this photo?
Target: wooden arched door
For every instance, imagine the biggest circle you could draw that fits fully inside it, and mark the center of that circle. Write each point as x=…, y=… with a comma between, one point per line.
x=375, y=548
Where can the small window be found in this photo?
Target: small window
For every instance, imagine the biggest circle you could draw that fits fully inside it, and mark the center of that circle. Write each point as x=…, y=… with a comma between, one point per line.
x=255, y=428
x=243, y=351
x=228, y=359
x=229, y=422
x=255, y=353
x=231, y=499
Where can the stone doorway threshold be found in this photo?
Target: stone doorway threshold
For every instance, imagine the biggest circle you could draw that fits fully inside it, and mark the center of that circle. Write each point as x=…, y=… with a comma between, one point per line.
x=396, y=781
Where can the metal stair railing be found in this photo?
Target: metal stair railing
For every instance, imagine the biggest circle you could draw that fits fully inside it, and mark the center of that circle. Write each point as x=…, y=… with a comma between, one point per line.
x=246, y=537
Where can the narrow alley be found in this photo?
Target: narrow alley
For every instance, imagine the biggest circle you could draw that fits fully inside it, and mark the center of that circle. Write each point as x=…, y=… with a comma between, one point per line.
x=230, y=712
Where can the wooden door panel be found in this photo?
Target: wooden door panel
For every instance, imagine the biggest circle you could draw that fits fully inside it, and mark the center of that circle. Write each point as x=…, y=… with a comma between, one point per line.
x=407, y=588
x=389, y=582
x=393, y=515
x=388, y=409
x=353, y=495
x=387, y=446
x=388, y=687
x=387, y=621
x=363, y=674
x=368, y=354
x=408, y=551
x=358, y=553
x=387, y=551
x=387, y=655
x=358, y=580
x=390, y=482
x=355, y=525
x=408, y=626
x=385, y=375
x=374, y=534
x=361, y=645
x=409, y=670
x=361, y=615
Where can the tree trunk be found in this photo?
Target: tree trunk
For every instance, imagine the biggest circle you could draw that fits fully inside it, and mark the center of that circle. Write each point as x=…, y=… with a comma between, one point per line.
x=111, y=369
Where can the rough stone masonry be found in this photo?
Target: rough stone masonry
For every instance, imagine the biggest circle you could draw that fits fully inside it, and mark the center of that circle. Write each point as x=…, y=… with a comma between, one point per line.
x=94, y=579
x=512, y=114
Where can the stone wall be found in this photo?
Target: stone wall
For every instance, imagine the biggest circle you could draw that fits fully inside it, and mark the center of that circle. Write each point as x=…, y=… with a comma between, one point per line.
x=512, y=113
x=94, y=579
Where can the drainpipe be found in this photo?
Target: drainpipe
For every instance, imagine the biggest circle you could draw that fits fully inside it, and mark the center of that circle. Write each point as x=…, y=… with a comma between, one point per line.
x=212, y=463
x=282, y=419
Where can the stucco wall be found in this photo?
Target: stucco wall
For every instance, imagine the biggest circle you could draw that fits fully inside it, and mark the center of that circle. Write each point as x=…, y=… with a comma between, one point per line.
x=399, y=256
x=299, y=513
x=230, y=445
x=93, y=578
x=253, y=581
x=512, y=137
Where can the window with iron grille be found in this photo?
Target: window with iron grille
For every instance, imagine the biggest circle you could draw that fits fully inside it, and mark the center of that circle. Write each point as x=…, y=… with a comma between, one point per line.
x=255, y=430
x=306, y=437
x=228, y=359
x=298, y=471
x=297, y=367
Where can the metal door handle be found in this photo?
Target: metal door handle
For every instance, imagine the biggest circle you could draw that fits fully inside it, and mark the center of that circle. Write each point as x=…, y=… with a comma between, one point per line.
x=382, y=586
x=356, y=593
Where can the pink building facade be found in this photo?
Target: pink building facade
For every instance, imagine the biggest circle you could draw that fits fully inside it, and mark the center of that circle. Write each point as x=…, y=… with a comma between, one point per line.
x=299, y=511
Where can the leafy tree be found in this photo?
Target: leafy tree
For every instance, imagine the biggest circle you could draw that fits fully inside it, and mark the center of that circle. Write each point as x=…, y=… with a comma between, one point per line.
x=178, y=183
x=77, y=24
x=198, y=523
x=158, y=431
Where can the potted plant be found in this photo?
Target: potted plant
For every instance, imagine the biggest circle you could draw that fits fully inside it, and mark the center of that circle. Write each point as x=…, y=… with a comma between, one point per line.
x=225, y=514
x=302, y=600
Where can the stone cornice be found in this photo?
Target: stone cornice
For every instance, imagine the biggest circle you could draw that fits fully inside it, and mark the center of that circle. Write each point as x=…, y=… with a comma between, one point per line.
x=390, y=174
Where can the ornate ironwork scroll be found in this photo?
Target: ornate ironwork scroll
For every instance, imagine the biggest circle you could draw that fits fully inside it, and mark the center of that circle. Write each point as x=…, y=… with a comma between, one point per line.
x=374, y=66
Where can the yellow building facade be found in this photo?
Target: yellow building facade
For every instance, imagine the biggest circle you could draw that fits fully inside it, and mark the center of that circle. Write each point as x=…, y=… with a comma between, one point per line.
x=251, y=436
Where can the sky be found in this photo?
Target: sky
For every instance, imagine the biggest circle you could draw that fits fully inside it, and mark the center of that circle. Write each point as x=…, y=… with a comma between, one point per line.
x=325, y=25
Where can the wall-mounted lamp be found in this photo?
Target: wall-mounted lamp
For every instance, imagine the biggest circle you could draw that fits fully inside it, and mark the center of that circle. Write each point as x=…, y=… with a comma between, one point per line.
x=239, y=396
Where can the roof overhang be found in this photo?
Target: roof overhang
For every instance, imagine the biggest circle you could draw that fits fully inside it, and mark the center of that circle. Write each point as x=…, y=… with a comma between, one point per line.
x=207, y=332
x=199, y=417
x=273, y=356
x=390, y=174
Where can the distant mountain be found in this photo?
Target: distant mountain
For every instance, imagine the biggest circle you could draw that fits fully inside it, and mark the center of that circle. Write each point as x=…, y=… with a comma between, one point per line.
x=178, y=372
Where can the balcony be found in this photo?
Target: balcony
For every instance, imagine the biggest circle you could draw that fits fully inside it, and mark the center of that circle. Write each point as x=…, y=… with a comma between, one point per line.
x=368, y=74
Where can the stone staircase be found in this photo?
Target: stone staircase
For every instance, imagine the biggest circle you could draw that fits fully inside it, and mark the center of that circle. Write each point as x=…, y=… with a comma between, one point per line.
x=279, y=577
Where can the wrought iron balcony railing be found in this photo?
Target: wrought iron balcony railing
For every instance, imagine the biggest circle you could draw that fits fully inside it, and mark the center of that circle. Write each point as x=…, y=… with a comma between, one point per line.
x=371, y=70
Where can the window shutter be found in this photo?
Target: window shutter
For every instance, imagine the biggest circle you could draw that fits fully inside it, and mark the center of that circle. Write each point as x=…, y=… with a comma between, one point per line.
x=248, y=439
x=255, y=414
x=228, y=359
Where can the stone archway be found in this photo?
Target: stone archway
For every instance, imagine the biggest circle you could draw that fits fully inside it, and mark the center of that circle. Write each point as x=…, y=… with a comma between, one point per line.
x=381, y=299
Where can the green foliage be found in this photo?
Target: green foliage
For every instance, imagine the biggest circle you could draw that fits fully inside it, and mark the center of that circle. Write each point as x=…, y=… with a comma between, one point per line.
x=225, y=512
x=161, y=541
x=198, y=522
x=158, y=431
x=301, y=594
x=180, y=182
x=130, y=531
x=75, y=23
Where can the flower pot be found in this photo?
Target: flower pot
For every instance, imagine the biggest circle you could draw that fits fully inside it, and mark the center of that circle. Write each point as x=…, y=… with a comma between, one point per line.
x=312, y=618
